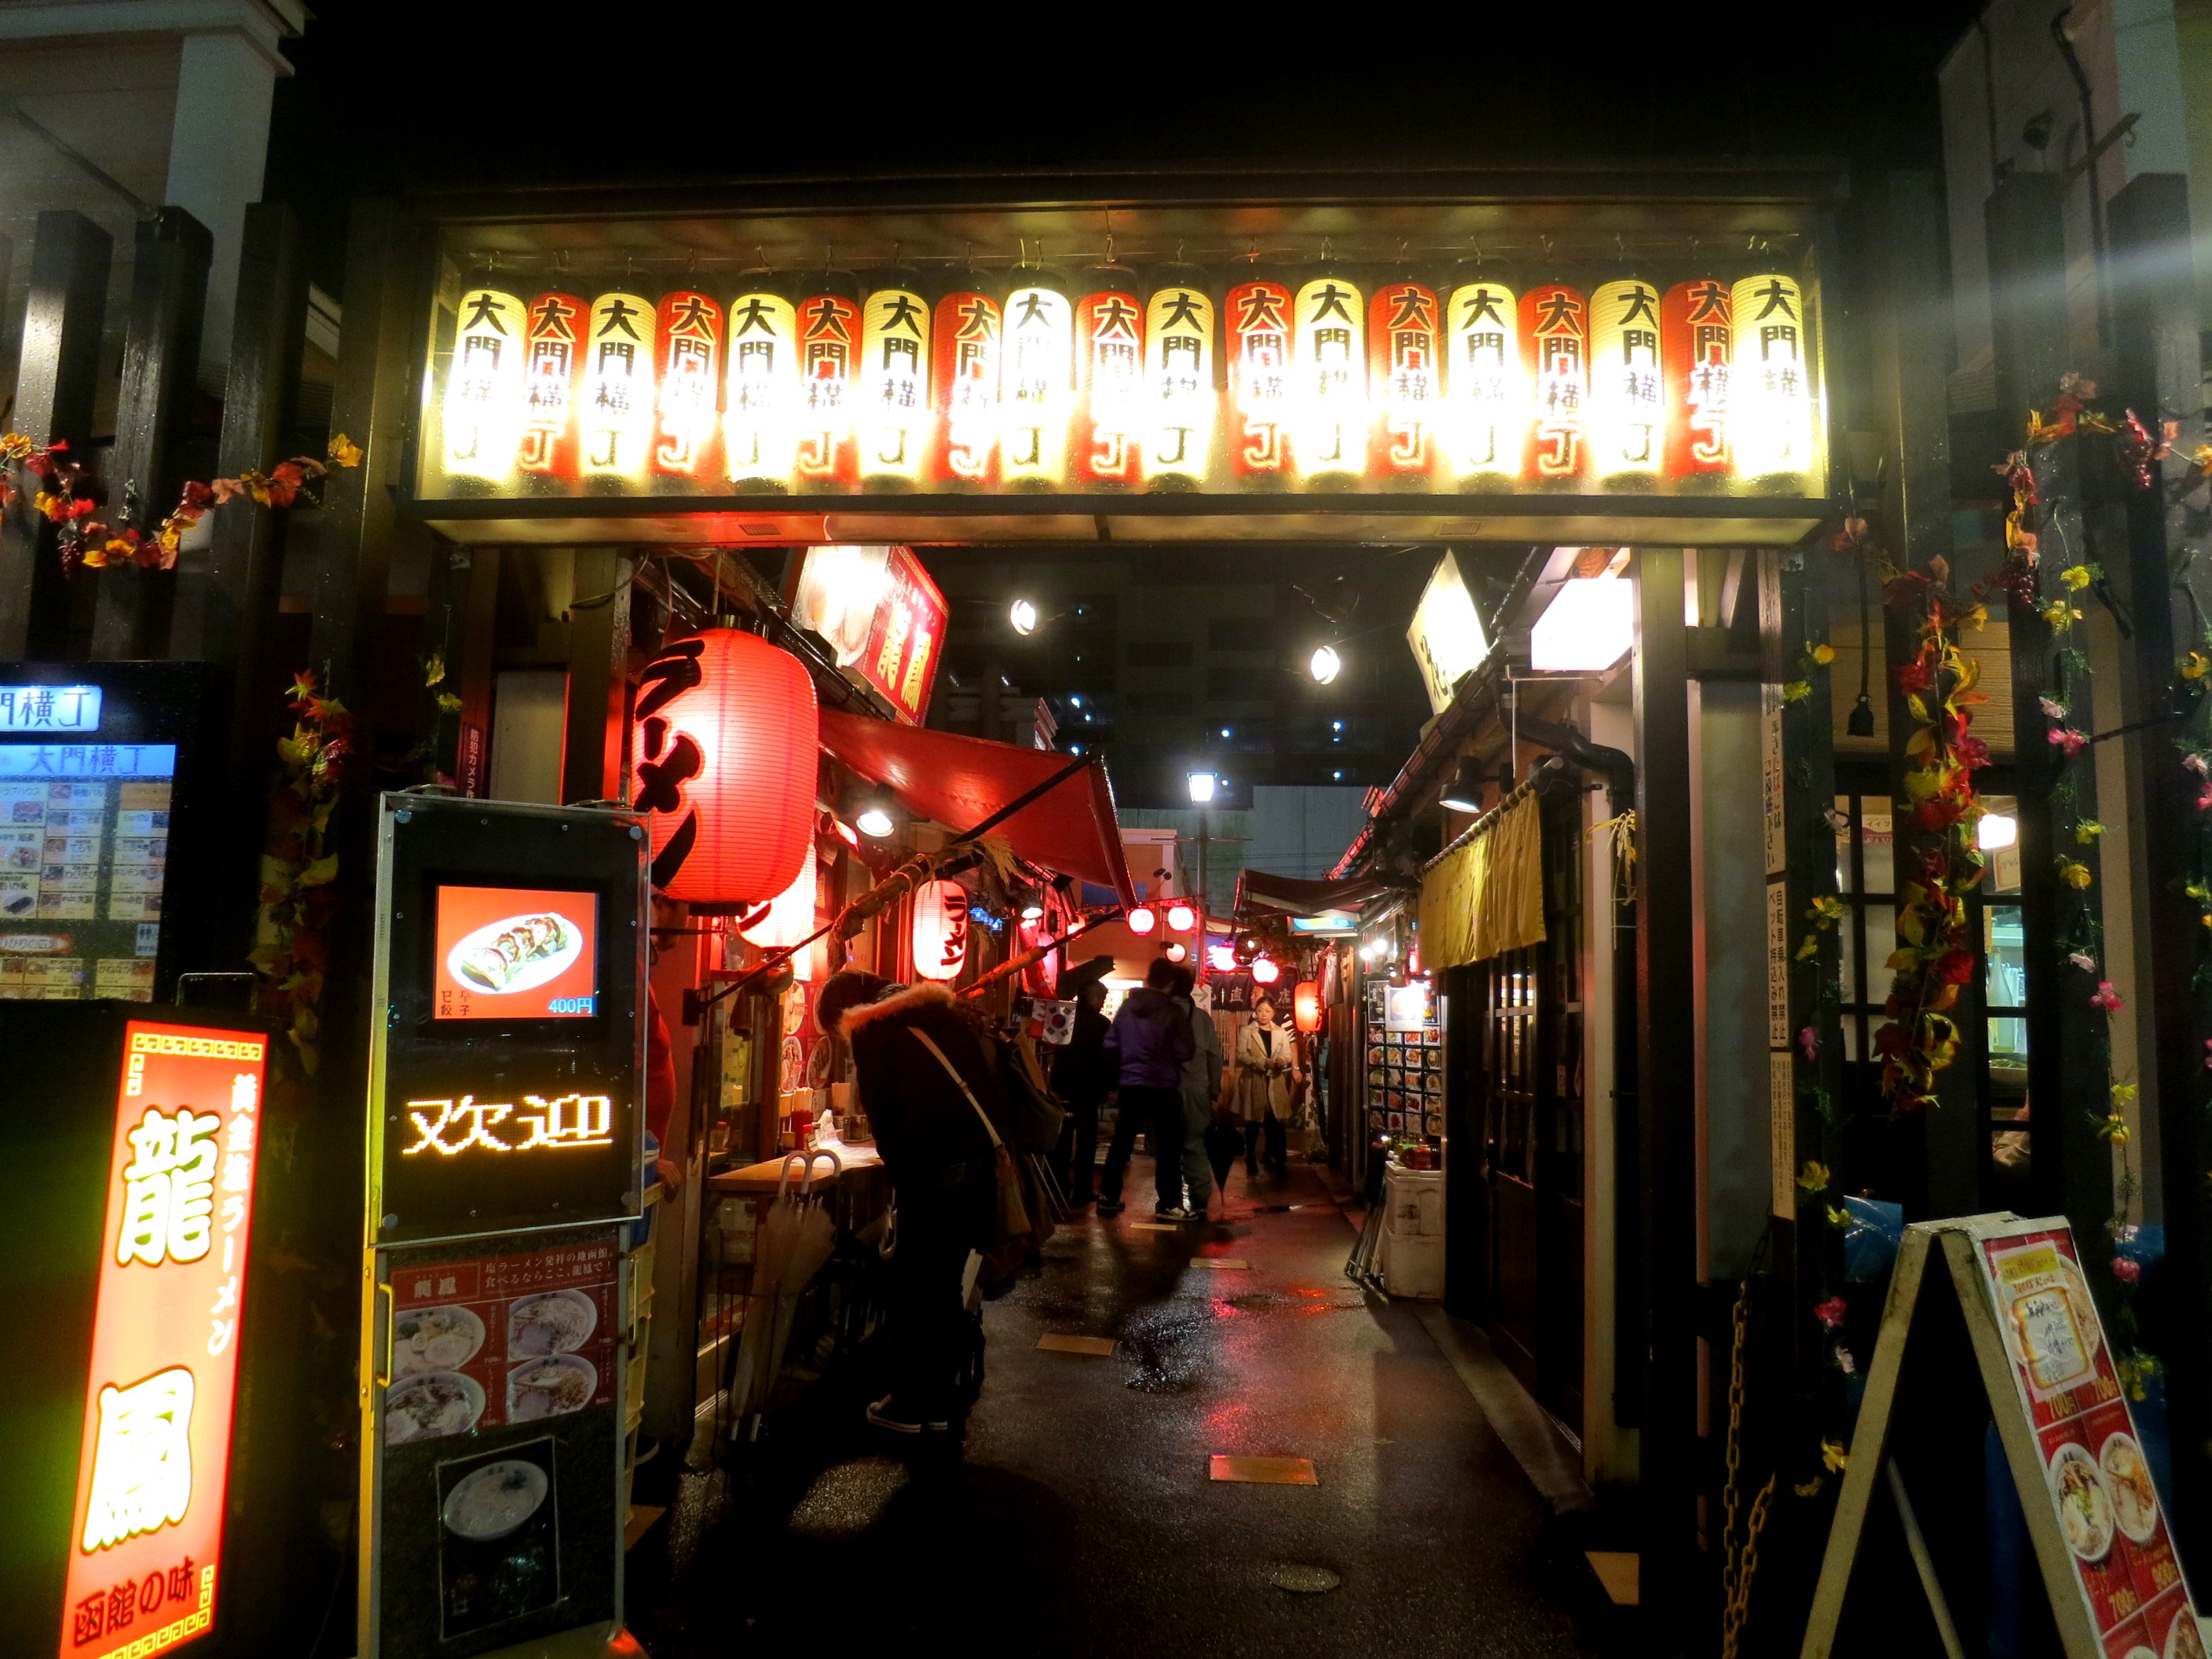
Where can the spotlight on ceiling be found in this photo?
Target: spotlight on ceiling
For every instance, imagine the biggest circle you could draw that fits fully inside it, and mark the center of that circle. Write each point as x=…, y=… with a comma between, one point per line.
x=1326, y=666
x=1464, y=793
x=874, y=817
x=1023, y=617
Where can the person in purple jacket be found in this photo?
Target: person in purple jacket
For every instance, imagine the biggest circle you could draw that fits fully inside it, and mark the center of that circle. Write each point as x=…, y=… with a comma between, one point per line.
x=1149, y=1041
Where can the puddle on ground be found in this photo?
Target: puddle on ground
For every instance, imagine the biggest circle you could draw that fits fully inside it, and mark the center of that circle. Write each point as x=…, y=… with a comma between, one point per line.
x=1162, y=1358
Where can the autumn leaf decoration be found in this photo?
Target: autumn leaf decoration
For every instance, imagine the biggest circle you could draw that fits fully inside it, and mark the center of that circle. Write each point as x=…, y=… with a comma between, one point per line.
x=291, y=934
x=1935, y=955
x=86, y=540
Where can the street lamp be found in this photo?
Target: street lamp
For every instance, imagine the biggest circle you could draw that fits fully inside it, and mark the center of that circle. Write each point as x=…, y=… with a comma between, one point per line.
x=1023, y=617
x=1326, y=666
x=1201, y=795
x=1201, y=787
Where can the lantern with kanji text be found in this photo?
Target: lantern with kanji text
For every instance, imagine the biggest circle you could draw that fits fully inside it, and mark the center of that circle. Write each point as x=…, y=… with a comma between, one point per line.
x=1627, y=412
x=1036, y=382
x=1109, y=368
x=554, y=334
x=965, y=376
x=1401, y=336
x=895, y=409
x=759, y=413
x=484, y=386
x=786, y=918
x=1555, y=344
x=1330, y=380
x=1770, y=380
x=1257, y=318
x=940, y=933
x=1178, y=382
x=1485, y=384
x=829, y=353
x=1695, y=341
x=690, y=327
x=726, y=740
x=618, y=364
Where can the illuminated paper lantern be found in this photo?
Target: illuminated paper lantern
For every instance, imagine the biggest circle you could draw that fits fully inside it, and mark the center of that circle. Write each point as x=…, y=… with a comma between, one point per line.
x=894, y=413
x=555, y=330
x=1627, y=423
x=1142, y=920
x=1402, y=337
x=759, y=415
x=1695, y=342
x=1110, y=372
x=1329, y=389
x=964, y=375
x=786, y=920
x=484, y=386
x=1035, y=385
x=1181, y=918
x=1485, y=384
x=828, y=364
x=1555, y=344
x=940, y=933
x=1258, y=319
x=1305, y=1007
x=727, y=744
x=618, y=363
x=1265, y=971
x=690, y=326
x=1178, y=386
x=1769, y=379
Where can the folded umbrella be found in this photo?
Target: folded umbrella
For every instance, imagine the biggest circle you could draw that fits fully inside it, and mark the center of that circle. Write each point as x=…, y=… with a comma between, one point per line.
x=1224, y=1146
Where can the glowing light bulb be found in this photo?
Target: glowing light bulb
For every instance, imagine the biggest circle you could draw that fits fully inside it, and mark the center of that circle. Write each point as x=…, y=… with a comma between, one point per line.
x=1022, y=616
x=1326, y=666
x=1181, y=918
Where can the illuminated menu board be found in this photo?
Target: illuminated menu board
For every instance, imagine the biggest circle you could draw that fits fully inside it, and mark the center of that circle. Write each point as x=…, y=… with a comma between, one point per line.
x=145, y=1545
x=515, y=953
x=84, y=848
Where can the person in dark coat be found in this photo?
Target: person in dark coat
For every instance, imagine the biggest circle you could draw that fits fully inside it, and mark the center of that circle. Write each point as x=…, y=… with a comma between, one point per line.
x=1081, y=1076
x=1149, y=1042
x=943, y=1167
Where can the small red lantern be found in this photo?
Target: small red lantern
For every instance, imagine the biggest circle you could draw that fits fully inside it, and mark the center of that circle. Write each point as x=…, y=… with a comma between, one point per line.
x=1110, y=369
x=1694, y=341
x=1181, y=918
x=1305, y=1007
x=1258, y=314
x=829, y=372
x=554, y=387
x=939, y=934
x=964, y=380
x=1143, y=919
x=1402, y=352
x=1264, y=971
x=1555, y=345
x=726, y=745
x=690, y=327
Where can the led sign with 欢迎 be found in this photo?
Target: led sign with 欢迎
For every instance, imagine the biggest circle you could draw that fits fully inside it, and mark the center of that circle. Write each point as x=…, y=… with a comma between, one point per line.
x=451, y=1128
x=146, y=1536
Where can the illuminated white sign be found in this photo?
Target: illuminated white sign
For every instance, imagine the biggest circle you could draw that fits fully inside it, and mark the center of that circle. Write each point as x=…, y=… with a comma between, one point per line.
x=1589, y=626
x=49, y=709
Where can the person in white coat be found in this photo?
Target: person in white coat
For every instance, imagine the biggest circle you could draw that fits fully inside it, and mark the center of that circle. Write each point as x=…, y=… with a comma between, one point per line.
x=1266, y=1087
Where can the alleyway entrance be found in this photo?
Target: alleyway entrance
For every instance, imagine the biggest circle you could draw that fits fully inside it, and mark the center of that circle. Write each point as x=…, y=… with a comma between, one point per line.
x=1083, y=1519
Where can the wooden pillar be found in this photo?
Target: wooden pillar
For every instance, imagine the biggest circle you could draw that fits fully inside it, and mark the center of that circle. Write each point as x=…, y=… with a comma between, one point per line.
x=592, y=766
x=56, y=378
x=1676, y=1598
x=161, y=376
x=2160, y=376
x=471, y=660
x=2069, y=1162
x=1910, y=320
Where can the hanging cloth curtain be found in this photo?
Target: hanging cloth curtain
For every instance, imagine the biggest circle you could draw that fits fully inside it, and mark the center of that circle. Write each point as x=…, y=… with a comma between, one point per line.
x=1485, y=895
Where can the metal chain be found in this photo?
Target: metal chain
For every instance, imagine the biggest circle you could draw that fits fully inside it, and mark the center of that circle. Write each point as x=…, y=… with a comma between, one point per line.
x=1740, y=1563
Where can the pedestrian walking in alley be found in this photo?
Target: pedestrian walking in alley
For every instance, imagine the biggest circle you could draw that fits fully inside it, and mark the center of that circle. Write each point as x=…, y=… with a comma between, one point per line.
x=926, y=1081
x=1201, y=1088
x=1149, y=1042
x=1266, y=1087
x=1081, y=1076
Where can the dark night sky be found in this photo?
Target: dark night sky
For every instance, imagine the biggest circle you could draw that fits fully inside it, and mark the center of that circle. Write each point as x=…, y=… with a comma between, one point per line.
x=404, y=93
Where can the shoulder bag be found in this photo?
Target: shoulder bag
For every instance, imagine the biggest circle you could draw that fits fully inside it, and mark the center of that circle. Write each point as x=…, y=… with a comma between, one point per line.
x=1011, y=1220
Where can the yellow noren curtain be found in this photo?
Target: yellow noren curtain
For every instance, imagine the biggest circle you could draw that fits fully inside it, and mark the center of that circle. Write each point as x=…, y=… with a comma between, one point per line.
x=1486, y=895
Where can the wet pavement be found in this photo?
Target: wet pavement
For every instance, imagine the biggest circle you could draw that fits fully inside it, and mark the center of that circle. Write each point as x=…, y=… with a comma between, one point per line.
x=1082, y=1519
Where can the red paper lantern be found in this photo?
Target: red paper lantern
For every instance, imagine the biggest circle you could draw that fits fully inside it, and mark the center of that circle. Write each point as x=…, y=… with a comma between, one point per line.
x=1694, y=342
x=1109, y=371
x=727, y=741
x=1142, y=920
x=829, y=370
x=1181, y=918
x=1264, y=971
x=1402, y=352
x=690, y=327
x=1258, y=316
x=554, y=384
x=939, y=933
x=1305, y=1007
x=964, y=379
x=1555, y=337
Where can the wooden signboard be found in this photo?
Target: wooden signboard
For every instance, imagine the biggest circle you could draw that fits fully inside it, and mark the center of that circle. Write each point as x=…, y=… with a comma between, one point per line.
x=1989, y=1318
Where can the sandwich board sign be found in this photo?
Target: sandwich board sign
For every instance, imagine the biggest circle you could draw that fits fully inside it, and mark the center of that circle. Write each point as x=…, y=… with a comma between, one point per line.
x=2002, y=1302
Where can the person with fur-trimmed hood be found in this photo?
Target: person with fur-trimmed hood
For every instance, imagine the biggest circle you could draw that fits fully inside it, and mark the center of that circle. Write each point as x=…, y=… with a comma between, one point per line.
x=942, y=1164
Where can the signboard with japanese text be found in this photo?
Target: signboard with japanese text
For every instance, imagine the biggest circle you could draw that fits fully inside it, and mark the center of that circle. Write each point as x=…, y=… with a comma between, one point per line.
x=101, y=779
x=883, y=617
x=2011, y=1297
x=128, y=1247
x=511, y=964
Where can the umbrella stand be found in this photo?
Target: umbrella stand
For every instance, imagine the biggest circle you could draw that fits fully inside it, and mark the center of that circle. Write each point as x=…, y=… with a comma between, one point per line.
x=778, y=1249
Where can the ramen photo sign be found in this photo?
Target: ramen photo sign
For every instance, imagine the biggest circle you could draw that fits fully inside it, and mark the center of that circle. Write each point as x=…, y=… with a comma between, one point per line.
x=515, y=953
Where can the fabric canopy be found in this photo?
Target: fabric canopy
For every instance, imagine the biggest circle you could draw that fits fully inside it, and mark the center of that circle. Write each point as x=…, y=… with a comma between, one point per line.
x=962, y=781
x=1486, y=895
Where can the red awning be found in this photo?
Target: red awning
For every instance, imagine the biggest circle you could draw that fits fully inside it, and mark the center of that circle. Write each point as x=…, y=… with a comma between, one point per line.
x=961, y=781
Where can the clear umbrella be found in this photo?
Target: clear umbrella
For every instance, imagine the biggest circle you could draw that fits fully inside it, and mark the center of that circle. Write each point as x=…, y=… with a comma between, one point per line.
x=795, y=1238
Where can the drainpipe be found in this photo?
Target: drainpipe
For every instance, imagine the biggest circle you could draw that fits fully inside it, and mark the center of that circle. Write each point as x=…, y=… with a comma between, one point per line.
x=2089, y=168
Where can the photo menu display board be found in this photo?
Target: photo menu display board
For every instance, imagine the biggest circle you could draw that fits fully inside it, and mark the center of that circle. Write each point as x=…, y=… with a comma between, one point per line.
x=510, y=961
x=84, y=847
